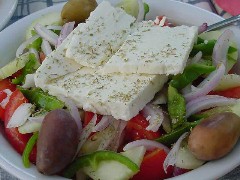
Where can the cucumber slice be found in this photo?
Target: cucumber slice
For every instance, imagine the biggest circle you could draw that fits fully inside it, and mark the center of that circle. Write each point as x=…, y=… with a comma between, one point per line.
x=14, y=66
x=113, y=170
x=186, y=160
x=29, y=127
x=129, y=6
x=47, y=19
x=228, y=81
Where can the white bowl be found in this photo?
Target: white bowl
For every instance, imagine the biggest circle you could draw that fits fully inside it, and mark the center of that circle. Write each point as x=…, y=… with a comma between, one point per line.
x=7, y=9
x=11, y=38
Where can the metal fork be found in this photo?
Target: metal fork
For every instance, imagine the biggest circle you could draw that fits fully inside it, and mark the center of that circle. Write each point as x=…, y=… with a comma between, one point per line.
x=223, y=23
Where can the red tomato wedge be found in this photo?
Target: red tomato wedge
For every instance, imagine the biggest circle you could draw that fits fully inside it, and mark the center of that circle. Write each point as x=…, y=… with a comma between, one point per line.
x=6, y=84
x=152, y=166
x=1, y=113
x=17, y=140
x=230, y=93
x=3, y=95
x=136, y=129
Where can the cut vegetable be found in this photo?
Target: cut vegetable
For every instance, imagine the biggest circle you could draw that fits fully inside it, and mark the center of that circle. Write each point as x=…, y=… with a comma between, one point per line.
x=42, y=99
x=28, y=149
x=186, y=160
x=20, y=115
x=47, y=19
x=130, y=6
x=228, y=81
x=98, y=163
x=14, y=66
x=29, y=127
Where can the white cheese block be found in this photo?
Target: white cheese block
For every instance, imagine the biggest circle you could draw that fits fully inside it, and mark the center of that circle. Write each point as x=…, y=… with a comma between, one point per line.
x=56, y=64
x=102, y=35
x=121, y=96
x=153, y=50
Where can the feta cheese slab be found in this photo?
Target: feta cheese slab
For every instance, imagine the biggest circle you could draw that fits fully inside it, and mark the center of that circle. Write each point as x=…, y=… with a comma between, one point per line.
x=153, y=50
x=119, y=95
x=103, y=34
x=56, y=64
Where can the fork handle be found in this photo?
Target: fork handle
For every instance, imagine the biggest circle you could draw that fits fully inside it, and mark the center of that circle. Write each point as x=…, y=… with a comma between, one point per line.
x=223, y=23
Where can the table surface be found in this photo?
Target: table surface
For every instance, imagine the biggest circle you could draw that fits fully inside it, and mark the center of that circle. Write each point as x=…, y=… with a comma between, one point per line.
x=26, y=7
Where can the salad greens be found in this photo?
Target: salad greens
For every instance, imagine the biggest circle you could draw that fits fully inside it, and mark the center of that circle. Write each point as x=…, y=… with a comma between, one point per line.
x=28, y=149
x=170, y=138
x=95, y=158
x=176, y=107
x=29, y=68
x=42, y=99
x=190, y=73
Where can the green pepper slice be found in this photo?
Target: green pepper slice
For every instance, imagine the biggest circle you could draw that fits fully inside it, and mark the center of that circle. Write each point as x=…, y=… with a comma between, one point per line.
x=172, y=137
x=30, y=67
x=28, y=149
x=176, y=107
x=42, y=99
x=95, y=158
x=190, y=73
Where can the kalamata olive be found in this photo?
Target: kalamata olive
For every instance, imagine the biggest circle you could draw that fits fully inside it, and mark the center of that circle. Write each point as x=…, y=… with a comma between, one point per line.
x=215, y=136
x=57, y=143
x=77, y=10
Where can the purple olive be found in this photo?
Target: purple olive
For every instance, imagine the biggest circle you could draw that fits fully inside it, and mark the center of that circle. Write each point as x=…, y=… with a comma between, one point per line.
x=57, y=143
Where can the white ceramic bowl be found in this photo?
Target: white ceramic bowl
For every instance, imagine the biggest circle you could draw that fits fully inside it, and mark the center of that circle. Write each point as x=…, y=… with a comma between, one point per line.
x=182, y=13
x=7, y=9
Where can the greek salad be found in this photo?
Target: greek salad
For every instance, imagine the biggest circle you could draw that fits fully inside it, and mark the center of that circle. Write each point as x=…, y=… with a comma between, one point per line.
x=174, y=118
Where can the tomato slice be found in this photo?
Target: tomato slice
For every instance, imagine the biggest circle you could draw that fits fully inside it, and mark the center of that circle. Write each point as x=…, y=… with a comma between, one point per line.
x=136, y=129
x=6, y=84
x=3, y=95
x=16, y=139
x=1, y=113
x=230, y=93
x=152, y=166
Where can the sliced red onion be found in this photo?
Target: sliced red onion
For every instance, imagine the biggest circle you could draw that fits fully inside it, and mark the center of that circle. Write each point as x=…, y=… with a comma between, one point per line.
x=207, y=84
x=24, y=45
x=86, y=131
x=66, y=30
x=179, y=171
x=119, y=137
x=148, y=144
x=46, y=47
x=38, y=119
x=34, y=51
x=163, y=20
x=156, y=21
x=54, y=27
x=6, y=100
x=220, y=49
x=110, y=136
x=202, y=28
x=29, y=81
x=47, y=34
x=154, y=115
x=171, y=158
x=196, y=58
x=207, y=102
x=105, y=121
x=140, y=16
x=73, y=111
x=20, y=115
